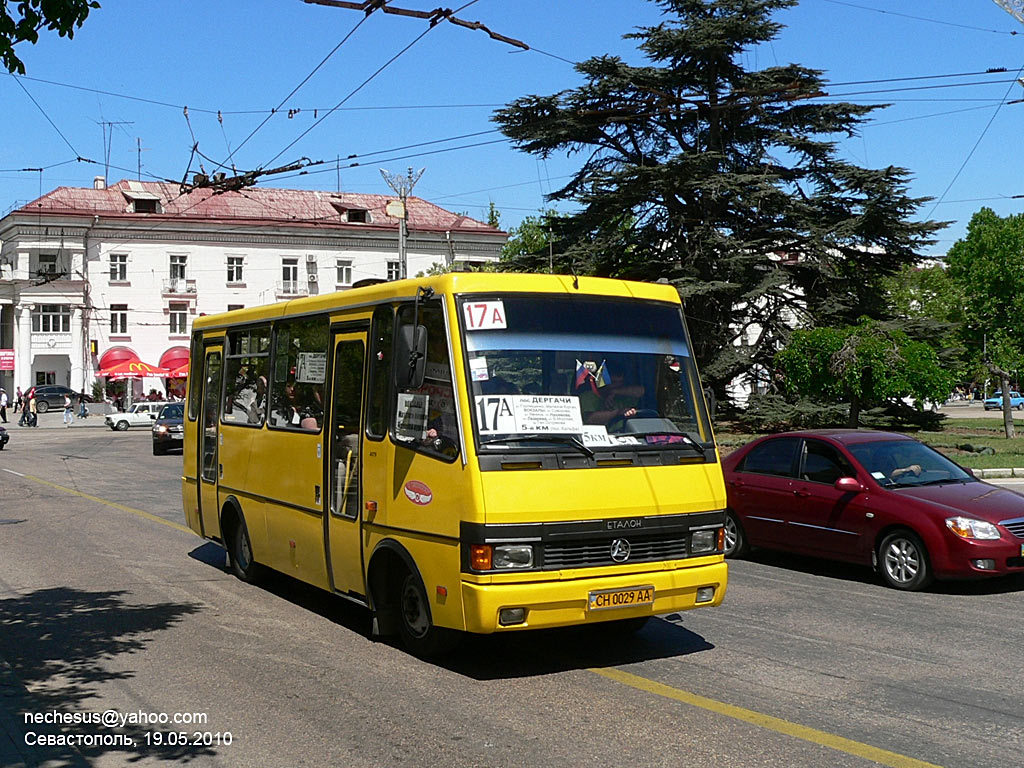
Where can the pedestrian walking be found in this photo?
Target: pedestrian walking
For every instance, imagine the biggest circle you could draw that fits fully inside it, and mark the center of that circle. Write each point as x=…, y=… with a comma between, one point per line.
x=19, y=401
x=69, y=414
x=33, y=410
x=3, y=405
x=83, y=411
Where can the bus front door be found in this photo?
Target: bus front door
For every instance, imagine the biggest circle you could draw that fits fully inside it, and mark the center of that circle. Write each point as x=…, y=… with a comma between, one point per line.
x=209, y=428
x=343, y=518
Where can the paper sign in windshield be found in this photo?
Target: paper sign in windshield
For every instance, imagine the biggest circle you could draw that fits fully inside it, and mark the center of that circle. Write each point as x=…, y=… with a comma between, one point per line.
x=411, y=416
x=533, y=414
x=484, y=315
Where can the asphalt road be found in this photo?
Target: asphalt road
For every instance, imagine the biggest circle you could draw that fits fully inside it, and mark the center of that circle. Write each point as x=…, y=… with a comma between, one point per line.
x=106, y=603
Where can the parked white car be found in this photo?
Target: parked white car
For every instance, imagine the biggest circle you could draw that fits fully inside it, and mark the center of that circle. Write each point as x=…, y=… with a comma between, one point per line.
x=138, y=415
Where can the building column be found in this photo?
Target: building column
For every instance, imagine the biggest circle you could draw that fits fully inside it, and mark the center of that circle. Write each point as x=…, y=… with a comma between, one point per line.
x=77, y=347
x=23, y=347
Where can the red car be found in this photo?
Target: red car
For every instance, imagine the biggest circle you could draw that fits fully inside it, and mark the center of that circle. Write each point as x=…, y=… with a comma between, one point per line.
x=877, y=498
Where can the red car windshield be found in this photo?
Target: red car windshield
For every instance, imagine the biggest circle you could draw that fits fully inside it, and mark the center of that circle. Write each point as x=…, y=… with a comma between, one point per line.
x=900, y=463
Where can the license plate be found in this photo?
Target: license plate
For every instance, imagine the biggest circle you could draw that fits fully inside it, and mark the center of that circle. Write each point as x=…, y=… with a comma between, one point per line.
x=628, y=597
x=176, y=436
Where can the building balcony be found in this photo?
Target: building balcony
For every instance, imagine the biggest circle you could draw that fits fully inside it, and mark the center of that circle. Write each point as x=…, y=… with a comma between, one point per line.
x=179, y=286
x=291, y=288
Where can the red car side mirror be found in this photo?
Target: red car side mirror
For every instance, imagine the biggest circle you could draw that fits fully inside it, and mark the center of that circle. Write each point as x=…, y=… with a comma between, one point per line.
x=849, y=485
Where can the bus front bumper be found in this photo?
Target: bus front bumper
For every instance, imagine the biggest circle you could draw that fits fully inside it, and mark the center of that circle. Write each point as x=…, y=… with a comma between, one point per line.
x=567, y=602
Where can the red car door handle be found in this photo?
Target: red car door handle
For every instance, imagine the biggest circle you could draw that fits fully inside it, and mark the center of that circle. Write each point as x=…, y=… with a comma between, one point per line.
x=800, y=492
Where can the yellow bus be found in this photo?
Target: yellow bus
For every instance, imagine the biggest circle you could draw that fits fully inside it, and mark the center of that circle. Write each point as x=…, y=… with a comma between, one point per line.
x=473, y=452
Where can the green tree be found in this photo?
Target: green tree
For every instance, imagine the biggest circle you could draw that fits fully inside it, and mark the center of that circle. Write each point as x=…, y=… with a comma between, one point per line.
x=530, y=243
x=723, y=180
x=30, y=16
x=988, y=267
x=865, y=365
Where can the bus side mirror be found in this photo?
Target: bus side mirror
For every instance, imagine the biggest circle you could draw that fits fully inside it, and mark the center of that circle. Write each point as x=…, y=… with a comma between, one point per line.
x=410, y=356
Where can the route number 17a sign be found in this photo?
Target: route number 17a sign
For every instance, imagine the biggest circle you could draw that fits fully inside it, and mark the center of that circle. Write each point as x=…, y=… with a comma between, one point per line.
x=484, y=315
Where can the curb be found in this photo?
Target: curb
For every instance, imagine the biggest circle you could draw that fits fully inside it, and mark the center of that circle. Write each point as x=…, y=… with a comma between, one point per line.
x=1004, y=472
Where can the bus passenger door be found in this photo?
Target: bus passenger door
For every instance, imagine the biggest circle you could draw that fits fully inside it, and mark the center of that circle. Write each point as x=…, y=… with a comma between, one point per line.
x=344, y=550
x=208, y=435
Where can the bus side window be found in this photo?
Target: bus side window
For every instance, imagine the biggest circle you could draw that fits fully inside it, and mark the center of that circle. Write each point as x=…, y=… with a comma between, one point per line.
x=300, y=373
x=424, y=417
x=381, y=335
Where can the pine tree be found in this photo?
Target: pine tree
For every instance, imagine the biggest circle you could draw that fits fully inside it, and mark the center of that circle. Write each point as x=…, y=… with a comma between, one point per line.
x=724, y=181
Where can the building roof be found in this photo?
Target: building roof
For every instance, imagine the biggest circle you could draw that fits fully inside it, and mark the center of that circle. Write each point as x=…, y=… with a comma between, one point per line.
x=255, y=206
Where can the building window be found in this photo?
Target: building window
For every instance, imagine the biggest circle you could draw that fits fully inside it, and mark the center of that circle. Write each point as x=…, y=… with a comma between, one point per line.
x=344, y=272
x=290, y=275
x=233, y=307
x=394, y=271
x=47, y=263
x=51, y=318
x=119, y=267
x=119, y=318
x=358, y=215
x=179, y=317
x=143, y=205
x=235, y=269
x=178, y=263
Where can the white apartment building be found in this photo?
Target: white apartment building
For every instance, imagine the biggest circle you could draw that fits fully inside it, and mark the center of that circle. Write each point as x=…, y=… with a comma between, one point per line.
x=94, y=276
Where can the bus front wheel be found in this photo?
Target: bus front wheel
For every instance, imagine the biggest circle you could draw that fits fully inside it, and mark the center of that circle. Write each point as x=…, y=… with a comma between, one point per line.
x=415, y=625
x=240, y=552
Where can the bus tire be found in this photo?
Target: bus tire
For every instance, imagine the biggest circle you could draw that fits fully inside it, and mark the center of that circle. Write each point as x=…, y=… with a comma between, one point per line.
x=415, y=625
x=240, y=559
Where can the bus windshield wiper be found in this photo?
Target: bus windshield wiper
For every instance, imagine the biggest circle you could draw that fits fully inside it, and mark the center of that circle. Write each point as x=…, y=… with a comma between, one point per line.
x=575, y=442
x=688, y=441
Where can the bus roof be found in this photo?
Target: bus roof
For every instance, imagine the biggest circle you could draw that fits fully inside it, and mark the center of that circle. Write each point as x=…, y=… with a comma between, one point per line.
x=450, y=283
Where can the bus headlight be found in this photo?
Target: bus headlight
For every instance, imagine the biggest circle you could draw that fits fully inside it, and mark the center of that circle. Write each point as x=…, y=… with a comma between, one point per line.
x=509, y=556
x=704, y=541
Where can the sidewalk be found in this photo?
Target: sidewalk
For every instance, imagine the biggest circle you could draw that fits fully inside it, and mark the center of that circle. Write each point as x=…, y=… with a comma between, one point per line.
x=53, y=419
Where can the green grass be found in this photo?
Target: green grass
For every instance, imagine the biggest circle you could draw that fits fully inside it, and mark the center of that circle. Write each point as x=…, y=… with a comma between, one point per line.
x=976, y=433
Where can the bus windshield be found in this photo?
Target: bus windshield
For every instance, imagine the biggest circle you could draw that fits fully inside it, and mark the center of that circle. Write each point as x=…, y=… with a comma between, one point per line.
x=547, y=372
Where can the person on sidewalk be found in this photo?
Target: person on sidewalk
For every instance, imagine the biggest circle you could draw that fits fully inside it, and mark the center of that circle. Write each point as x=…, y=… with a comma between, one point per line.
x=69, y=414
x=19, y=401
x=83, y=410
x=33, y=410
x=3, y=405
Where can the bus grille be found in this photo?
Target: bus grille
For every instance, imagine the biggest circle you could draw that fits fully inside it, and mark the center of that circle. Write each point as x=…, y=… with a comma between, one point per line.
x=589, y=554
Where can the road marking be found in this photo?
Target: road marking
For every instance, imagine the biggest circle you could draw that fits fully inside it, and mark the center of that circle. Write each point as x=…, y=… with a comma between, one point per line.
x=838, y=743
x=13, y=472
x=105, y=502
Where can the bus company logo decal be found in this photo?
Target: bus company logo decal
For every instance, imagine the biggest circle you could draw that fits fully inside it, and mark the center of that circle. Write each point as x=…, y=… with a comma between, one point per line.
x=628, y=522
x=418, y=493
x=620, y=550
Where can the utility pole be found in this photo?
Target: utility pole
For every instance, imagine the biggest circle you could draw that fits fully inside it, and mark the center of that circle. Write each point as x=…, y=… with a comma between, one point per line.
x=402, y=185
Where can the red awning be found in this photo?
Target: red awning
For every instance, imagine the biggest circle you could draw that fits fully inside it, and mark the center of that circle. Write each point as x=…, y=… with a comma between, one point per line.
x=181, y=372
x=116, y=355
x=175, y=357
x=134, y=369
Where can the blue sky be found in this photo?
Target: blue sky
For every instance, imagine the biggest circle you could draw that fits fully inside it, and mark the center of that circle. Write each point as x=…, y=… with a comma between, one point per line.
x=956, y=135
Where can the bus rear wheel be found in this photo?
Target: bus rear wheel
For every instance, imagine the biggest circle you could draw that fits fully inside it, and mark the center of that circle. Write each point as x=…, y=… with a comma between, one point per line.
x=415, y=625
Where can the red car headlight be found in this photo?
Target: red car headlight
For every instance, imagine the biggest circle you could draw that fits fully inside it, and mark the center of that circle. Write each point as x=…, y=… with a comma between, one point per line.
x=969, y=528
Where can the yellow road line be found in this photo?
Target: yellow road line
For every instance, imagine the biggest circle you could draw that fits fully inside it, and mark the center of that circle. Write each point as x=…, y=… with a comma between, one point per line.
x=856, y=748
x=115, y=505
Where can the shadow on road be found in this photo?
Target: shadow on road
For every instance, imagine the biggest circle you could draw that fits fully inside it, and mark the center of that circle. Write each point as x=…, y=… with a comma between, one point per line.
x=59, y=642
x=864, y=575
x=550, y=651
